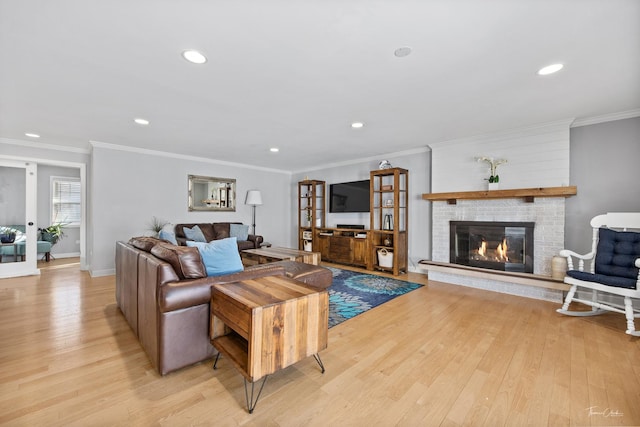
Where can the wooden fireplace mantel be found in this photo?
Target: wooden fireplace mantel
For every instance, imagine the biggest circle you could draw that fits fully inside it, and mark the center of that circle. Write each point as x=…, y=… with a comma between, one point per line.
x=528, y=194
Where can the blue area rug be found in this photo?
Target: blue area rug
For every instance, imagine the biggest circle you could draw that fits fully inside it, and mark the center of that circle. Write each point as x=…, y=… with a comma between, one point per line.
x=354, y=293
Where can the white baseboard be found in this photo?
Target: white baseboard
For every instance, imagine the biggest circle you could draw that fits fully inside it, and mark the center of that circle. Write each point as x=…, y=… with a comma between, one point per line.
x=100, y=273
x=66, y=255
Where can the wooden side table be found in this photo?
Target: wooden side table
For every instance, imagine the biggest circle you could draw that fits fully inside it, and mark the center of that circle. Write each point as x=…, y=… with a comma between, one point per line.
x=266, y=324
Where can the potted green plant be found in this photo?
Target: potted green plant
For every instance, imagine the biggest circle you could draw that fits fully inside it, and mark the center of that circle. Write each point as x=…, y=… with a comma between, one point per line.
x=52, y=233
x=156, y=225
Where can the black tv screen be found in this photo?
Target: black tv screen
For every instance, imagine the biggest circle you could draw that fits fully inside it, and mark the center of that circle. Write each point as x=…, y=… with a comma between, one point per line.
x=349, y=197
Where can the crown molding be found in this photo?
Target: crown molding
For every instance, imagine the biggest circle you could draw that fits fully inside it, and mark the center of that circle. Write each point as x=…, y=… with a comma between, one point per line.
x=366, y=159
x=606, y=118
x=116, y=147
x=556, y=126
x=44, y=146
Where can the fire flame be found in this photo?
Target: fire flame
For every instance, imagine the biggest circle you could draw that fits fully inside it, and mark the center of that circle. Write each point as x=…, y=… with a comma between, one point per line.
x=500, y=252
x=482, y=250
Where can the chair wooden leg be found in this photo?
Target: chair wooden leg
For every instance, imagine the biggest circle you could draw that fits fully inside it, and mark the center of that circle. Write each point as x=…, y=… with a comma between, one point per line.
x=47, y=256
x=596, y=307
x=628, y=312
x=567, y=300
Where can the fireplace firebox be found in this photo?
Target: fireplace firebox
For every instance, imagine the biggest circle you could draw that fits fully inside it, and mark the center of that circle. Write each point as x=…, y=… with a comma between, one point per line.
x=505, y=246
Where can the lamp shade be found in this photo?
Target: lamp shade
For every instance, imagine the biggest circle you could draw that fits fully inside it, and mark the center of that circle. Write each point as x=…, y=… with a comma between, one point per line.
x=253, y=198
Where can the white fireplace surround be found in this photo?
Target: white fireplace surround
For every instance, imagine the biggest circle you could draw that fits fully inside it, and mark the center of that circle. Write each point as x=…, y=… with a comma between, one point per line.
x=546, y=213
x=548, y=236
x=537, y=157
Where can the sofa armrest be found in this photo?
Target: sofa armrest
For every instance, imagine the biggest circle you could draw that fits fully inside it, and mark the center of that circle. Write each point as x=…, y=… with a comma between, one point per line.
x=256, y=239
x=188, y=293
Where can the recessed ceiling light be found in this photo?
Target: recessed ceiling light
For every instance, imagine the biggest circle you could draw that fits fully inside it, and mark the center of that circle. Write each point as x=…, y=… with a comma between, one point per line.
x=357, y=125
x=402, y=51
x=32, y=135
x=274, y=150
x=550, y=69
x=142, y=122
x=194, y=56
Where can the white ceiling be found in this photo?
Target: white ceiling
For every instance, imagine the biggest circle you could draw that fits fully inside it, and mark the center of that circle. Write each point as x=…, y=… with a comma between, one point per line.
x=295, y=74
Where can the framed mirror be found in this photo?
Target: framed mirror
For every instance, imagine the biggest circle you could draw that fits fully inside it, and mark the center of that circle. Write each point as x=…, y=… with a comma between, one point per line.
x=212, y=194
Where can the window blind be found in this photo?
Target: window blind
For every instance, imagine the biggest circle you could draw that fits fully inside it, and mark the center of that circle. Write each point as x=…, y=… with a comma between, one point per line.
x=65, y=201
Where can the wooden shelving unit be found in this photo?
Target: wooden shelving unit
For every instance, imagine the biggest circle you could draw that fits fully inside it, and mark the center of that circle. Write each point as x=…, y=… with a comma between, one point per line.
x=311, y=212
x=389, y=221
x=528, y=194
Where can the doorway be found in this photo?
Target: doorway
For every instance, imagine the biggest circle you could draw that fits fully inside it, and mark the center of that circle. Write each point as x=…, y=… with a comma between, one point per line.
x=36, y=187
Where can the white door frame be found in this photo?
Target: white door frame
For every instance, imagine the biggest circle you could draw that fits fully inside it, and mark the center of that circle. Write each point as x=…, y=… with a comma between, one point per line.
x=83, y=197
x=30, y=264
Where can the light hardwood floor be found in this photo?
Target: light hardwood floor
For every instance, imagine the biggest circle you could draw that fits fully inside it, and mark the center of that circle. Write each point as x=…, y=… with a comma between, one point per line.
x=441, y=355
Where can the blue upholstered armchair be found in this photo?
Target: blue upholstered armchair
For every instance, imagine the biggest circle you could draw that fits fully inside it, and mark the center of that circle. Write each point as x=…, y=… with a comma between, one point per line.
x=16, y=249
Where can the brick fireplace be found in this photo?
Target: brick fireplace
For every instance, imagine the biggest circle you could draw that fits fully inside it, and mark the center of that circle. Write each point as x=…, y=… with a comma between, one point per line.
x=546, y=215
x=538, y=159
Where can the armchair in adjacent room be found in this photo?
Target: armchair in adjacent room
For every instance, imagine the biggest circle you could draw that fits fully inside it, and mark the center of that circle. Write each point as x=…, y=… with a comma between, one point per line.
x=17, y=248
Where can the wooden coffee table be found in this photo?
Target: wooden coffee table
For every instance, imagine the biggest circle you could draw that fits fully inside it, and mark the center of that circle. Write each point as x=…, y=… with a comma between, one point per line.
x=266, y=255
x=266, y=324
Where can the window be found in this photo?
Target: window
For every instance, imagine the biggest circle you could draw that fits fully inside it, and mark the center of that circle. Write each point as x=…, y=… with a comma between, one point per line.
x=65, y=200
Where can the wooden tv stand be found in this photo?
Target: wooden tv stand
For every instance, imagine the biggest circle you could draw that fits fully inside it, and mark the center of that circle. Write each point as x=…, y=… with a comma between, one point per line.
x=384, y=246
x=350, y=246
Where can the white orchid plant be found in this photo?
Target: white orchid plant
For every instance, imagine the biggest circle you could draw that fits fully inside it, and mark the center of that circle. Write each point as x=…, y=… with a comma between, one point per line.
x=493, y=163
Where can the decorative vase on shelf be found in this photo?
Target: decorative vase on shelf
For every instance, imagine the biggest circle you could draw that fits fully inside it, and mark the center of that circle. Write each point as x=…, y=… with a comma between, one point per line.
x=387, y=223
x=494, y=186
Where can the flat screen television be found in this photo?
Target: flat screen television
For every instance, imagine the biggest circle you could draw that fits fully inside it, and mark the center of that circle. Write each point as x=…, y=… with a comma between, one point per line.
x=349, y=197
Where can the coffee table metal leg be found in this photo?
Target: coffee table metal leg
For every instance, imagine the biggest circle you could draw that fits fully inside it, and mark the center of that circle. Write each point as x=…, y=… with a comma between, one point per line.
x=251, y=404
x=317, y=357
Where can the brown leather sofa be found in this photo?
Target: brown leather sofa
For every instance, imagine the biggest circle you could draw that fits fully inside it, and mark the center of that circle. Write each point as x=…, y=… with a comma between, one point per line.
x=216, y=231
x=161, y=290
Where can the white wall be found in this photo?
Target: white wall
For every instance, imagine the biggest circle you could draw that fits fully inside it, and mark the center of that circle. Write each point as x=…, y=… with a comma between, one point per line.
x=417, y=162
x=130, y=187
x=537, y=156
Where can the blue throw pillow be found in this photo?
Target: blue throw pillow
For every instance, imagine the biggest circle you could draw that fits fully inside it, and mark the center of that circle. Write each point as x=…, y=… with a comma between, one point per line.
x=169, y=236
x=220, y=256
x=194, y=234
x=240, y=231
